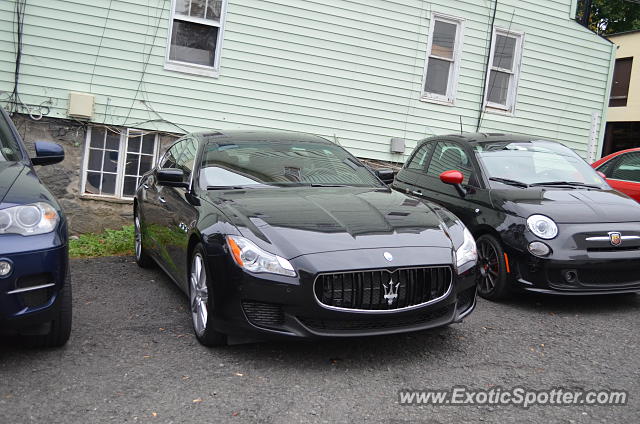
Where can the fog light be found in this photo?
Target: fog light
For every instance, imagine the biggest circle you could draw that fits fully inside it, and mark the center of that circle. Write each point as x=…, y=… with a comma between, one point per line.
x=5, y=268
x=538, y=248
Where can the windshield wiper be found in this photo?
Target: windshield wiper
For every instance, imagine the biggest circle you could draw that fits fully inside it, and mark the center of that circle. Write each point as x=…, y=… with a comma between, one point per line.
x=328, y=185
x=509, y=182
x=565, y=183
x=230, y=187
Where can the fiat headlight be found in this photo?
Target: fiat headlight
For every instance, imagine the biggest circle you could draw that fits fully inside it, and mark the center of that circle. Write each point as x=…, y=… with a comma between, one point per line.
x=542, y=226
x=29, y=220
x=250, y=257
x=467, y=254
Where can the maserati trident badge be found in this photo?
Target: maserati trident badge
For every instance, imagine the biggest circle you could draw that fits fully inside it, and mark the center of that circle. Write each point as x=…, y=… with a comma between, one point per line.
x=615, y=239
x=388, y=256
x=391, y=291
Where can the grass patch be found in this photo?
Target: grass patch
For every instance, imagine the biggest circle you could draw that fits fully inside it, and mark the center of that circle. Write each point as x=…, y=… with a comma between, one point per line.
x=107, y=243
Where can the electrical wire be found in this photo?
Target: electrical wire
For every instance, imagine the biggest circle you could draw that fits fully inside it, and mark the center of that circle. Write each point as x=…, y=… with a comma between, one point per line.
x=485, y=74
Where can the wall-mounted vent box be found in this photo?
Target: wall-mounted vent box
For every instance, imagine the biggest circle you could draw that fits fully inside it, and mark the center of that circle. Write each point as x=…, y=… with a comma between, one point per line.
x=397, y=145
x=80, y=105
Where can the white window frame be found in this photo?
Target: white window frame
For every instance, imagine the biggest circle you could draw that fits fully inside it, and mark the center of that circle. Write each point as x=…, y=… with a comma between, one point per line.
x=194, y=68
x=120, y=167
x=454, y=70
x=514, y=80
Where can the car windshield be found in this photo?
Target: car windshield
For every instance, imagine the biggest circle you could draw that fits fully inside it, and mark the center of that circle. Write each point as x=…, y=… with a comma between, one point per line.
x=276, y=163
x=9, y=150
x=524, y=164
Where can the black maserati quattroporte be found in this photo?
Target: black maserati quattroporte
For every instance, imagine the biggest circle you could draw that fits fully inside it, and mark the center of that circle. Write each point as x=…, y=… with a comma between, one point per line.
x=543, y=219
x=288, y=235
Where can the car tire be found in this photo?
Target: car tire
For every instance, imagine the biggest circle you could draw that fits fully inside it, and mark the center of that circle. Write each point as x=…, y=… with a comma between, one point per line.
x=201, y=302
x=493, y=283
x=60, y=327
x=142, y=257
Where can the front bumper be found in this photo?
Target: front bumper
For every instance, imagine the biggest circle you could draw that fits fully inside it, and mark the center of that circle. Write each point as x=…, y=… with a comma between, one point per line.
x=269, y=306
x=29, y=294
x=578, y=266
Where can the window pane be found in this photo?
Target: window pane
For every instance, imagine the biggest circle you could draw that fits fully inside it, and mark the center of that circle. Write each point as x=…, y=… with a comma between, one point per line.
x=132, y=165
x=186, y=160
x=437, y=76
x=419, y=160
x=214, y=9
x=197, y=8
x=444, y=39
x=110, y=161
x=193, y=43
x=628, y=169
x=113, y=140
x=134, y=143
x=621, y=79
x=148, y=143
x=95, y=160
x=504, y=52
x=498, y=87
x=129, y=187
x=97, y=138
x=108, y=184
x=93, y=183
x=182, y=7
x=146, y=162
x=448, y=156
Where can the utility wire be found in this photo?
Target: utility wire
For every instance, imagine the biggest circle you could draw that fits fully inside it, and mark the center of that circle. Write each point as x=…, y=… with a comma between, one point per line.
x=104, y=29
x=486, y=65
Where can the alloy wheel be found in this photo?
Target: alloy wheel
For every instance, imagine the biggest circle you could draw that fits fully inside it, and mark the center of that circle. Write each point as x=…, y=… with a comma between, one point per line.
x=138, y=238
x=199, y=294
x=489, y=266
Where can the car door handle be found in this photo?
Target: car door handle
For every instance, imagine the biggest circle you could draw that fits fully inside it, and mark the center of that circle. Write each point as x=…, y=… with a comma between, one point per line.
x=161, y=199
x=417, y=192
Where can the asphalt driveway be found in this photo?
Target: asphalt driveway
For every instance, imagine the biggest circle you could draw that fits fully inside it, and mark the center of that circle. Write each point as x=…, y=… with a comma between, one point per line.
x=132, y=357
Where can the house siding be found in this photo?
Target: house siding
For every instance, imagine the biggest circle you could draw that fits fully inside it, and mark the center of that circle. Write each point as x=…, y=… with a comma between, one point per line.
x=347, y=69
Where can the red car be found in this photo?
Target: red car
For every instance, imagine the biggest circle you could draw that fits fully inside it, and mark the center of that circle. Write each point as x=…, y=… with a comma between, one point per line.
x=622, y=171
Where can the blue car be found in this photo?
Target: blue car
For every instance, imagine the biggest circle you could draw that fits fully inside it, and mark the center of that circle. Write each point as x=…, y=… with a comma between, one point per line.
x=35, y=291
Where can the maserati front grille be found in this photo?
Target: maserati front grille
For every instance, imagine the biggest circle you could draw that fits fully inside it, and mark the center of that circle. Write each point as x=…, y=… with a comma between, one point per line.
x=383, y=290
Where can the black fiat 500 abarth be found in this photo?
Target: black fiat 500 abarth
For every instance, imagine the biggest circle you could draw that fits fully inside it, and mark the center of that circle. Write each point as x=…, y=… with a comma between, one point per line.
x=543, y=219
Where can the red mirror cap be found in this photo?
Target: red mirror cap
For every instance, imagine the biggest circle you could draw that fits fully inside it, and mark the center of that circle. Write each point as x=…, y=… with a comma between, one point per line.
x=601, y=174
x=452, y=177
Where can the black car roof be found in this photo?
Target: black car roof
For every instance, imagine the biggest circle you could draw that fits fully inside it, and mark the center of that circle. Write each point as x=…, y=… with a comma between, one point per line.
x=239, y=136
x=482, y=138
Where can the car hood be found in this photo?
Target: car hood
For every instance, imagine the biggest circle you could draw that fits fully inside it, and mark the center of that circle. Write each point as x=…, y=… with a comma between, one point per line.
x=299, y=221
x=568, y=205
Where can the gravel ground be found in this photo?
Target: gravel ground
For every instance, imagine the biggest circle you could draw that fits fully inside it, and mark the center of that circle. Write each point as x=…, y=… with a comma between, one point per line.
x=133, y=358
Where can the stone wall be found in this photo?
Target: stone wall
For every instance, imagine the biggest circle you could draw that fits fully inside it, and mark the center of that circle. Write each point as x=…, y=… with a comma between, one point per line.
x=64, y=179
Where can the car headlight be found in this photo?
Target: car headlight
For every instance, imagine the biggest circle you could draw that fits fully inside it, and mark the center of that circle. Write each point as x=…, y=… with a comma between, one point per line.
x=467, y=254
x=542, y=226
x=250, y=257
x=29, y=220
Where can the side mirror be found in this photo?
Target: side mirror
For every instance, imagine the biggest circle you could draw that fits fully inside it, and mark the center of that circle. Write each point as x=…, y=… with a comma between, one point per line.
x=47, y=153
x=385, y=174
x=171, y=177
x=454, y=178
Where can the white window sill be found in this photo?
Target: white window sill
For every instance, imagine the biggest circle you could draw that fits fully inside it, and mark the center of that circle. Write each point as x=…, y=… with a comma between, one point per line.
x=443, y=102
x=108, y=199
x=192, y=69
x=498, y=111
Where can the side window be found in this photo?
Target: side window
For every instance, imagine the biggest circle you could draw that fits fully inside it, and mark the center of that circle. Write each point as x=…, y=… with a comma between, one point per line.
x=170, y=159
x=419, y=159
x=450, y=156
x=627, y=168
x=188, y=157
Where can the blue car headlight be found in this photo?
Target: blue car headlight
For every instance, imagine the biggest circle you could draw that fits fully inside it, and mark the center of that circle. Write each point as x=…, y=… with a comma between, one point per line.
x=29, y=220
